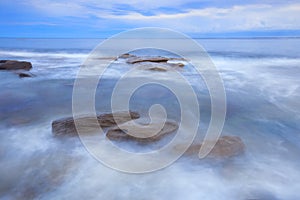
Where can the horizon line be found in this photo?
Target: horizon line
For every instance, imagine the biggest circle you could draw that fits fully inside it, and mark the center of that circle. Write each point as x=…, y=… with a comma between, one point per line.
x=242, y=37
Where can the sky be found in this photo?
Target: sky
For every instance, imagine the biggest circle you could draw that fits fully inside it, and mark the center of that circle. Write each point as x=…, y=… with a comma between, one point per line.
x=104, y=18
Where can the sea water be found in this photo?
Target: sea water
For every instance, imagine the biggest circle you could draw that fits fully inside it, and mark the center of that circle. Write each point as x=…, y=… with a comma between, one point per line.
x=261, y=79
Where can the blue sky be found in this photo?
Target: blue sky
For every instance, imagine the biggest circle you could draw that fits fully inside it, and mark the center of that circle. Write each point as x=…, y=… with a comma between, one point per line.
x=101, y=19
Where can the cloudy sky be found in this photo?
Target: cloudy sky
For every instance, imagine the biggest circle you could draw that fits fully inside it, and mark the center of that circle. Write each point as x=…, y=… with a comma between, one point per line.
x=103, y=18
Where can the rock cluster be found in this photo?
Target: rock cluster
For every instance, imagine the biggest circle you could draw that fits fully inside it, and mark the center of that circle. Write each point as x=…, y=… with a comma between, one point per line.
x=19, y=67
x=122, y=126
x=152, y=63
x=66, y=126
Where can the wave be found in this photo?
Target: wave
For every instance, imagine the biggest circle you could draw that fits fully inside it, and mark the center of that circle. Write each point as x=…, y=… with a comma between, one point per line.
x=42, y=54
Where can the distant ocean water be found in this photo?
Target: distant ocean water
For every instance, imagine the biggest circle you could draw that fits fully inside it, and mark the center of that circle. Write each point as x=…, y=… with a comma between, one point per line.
x=261, y=79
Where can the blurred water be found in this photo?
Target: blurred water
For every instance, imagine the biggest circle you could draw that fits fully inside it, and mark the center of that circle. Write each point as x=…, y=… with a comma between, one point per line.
x=261, y=78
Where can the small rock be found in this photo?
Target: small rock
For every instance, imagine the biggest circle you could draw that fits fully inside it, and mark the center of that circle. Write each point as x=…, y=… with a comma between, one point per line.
x=180, y=65
x=66, y=126
x=145, y=134
x=14, y=65
x=25, y=74
x=126, y=55
x=158, y=69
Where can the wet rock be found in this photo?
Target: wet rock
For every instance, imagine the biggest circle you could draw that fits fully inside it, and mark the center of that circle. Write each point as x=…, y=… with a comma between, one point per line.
x=133, y=60
x=153, y=67
x=178, y=59
x=126, y=55
x=145, y=135
x=226, y=146
x=106, y=58
x=66, y=126
x=25, y=75
x=180, y=65
x=14, y=65
x=159, y=67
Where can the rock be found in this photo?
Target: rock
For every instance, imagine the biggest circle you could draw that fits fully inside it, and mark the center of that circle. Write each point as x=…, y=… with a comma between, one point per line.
x=107, y=58
x=177, y=59
x=180, y=65
x=25, y=74
x=66, y=126
x=152, y=67
x=14, y=65
x=159, y=67
x=145, y=134
x=135, y=59
x=226, y=146
x=126, y=55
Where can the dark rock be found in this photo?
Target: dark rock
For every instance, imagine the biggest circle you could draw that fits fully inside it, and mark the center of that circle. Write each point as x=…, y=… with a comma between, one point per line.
x=66, y=126
x=128, y=130
x=25, y=74
x=133, y=60
x=14, y=65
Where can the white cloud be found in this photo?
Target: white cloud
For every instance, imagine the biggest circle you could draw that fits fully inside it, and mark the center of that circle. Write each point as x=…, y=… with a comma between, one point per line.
x=236, y=18
x=209, y=19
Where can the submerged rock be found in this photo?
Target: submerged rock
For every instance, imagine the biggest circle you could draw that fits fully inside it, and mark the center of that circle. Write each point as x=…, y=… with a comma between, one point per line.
x=226, y=146
x=133, y=60
x=14, y=65
x=66, y=126
x=153, y=67
x=44, y=173
x=153, y=63
x=160, y=67
x=147, y=134
x=25, y=74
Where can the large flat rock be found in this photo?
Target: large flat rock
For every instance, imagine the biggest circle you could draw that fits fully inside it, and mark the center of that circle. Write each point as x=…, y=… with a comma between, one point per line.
x=133, y=60
x=66, y=126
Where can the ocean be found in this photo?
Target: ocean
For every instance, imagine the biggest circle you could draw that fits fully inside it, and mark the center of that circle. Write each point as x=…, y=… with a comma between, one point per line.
x=262, y=85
